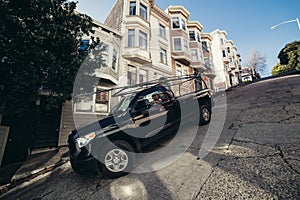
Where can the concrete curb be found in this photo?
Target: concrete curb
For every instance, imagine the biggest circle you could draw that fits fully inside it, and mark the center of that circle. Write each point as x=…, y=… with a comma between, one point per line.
x=37, y=165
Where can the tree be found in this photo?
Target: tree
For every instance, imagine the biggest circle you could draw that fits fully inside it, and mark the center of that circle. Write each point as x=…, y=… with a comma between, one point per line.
x=256, y=62
x=39, y=41
x=290, y=55
x=289, y=59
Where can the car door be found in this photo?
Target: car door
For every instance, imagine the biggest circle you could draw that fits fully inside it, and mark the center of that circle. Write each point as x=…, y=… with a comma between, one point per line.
x=149, y=113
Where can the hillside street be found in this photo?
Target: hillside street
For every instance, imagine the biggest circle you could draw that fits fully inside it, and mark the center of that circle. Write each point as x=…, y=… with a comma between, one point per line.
x=256, y=157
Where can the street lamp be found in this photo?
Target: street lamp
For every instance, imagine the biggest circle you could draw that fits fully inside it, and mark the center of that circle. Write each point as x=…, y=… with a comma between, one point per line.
x=285, y=22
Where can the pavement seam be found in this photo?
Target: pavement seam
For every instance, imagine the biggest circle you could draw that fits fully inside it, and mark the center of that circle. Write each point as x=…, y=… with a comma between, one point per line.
x=285, y=160
x=212, y=171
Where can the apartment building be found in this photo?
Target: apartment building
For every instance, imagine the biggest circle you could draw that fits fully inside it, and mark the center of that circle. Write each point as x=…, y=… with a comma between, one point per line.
x=209, y=73
x=87, y=109
x=145, y=48
x=226, y=61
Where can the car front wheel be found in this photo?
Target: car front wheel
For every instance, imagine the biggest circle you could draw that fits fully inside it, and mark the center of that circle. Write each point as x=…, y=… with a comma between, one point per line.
x=117, y=159
x=205, y=115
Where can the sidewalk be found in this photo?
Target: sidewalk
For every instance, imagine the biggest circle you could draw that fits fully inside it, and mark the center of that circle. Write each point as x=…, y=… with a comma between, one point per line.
x=37, y=163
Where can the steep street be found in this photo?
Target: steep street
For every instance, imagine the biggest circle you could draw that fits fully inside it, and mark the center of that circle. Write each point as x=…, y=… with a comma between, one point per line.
x=257, y=156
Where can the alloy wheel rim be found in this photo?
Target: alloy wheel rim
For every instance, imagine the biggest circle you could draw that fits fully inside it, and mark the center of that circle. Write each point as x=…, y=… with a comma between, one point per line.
x=205, y=114
x=116, y=160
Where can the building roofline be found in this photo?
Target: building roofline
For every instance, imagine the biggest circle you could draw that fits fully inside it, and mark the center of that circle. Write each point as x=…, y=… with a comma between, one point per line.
x=219, y=31
x=177, y=8
x=196, y=24
x=207, y=35
x=106, y=28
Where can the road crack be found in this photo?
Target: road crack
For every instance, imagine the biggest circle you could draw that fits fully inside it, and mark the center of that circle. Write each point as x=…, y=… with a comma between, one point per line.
x=285, y=160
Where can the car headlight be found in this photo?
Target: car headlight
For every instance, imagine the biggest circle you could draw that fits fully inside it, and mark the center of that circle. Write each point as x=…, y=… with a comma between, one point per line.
x=82, y=141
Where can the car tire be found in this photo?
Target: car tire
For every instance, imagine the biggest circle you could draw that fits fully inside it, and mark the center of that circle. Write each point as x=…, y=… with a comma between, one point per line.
x=205, y=115
x=116, y=159
x=76, y=168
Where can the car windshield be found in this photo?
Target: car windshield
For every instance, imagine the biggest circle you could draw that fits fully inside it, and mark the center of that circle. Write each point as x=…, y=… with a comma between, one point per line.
x=122, y=105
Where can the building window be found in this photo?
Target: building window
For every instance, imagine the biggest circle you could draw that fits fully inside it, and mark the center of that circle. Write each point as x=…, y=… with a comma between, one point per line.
x=143, y=76
x=185, y=71
x=183, y=24
x=143, y=40
x=228, y=49
x=84, y=47
x=198, y=37
x=132, y=9
x=178, y=70
x=131, y=36
x=131, y=75
x=162, y=31
x=163, y=56
x=204, y=46
x=185, y=45
x=224, y=53
x=222, y=41
x=143, y=11
x=104, y=55
x=114, y=60
x=194, y=53
x=192, y=36
x=102, y=101
x=175, y=22
x=177, y=44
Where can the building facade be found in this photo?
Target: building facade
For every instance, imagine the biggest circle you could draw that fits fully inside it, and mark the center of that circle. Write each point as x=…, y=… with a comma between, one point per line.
x=87, y=109
x=226, y=61
x=145, y=49
x=209, y=74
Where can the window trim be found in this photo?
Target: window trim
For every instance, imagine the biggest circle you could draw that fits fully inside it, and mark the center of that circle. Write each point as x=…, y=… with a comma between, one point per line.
x=178, y=20
x=192, y=39
x=163, y=56
x=133, y=36
x=162, y=27
x=174, y=46
x=143, y=11
x=130, y=7
x=141, y=39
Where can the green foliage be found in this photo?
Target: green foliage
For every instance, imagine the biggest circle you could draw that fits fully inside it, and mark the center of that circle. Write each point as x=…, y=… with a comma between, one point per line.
x=280, y=69
x=290, y=56
x=39, y=41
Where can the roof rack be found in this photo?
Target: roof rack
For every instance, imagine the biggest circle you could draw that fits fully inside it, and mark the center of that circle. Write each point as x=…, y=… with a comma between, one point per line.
x=165, y=81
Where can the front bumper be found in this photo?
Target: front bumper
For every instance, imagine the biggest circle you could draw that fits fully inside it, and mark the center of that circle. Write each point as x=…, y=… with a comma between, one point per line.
x=86, y=165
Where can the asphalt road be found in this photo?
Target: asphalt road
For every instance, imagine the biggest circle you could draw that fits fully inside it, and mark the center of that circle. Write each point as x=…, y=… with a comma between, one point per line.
x=257, y=155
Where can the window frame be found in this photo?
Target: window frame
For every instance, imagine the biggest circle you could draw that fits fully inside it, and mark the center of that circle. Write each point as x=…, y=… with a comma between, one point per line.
x=224, y=54
x=173, y=22
x=174, y=44
x=192, y=36
x=143, y=40
x=129, y=43
x=163, y=56
x=162, y=31
x=132, y=8
x=143, y=11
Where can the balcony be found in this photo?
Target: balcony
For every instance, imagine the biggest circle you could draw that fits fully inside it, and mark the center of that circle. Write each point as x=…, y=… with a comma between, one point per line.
x=198, y=65
x=182, y=57
x=107, y=73
x=137, y=20
x=210, y=73
x=137, y=54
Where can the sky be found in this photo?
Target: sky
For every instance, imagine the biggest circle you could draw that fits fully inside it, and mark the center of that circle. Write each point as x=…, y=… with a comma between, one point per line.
x=247, y=22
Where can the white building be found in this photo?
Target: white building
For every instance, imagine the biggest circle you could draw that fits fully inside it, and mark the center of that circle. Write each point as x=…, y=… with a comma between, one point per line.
x=226, y=60
x=145, y=46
